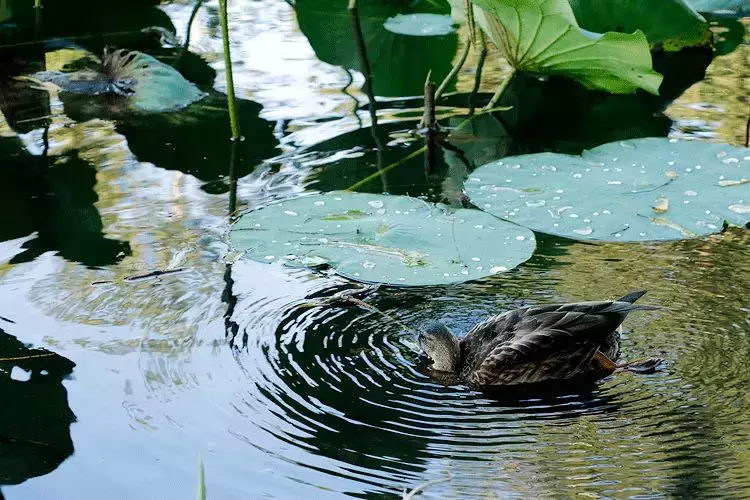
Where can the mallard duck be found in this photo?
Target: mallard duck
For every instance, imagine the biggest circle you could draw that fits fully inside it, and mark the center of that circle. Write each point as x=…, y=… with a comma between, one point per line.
x=534, y=344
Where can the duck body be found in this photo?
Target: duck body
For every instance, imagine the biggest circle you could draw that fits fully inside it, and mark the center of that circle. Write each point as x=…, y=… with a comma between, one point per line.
x=535, y=344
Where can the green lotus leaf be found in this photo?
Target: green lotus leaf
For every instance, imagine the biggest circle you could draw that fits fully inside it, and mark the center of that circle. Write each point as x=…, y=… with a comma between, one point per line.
x=394, y=240
x=638, y=190
x=684, y=28
x=542, y=36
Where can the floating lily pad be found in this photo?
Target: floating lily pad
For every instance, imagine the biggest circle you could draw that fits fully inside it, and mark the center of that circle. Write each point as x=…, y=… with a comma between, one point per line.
x=542, y=36
x=421, y=24
x=386, y=239
x=639, y=190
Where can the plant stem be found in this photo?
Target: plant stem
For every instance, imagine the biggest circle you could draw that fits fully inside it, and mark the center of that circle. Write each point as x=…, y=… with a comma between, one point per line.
x=747, y=133
x=234, y=121
x=454, y=70
x=406, y=158
x=233, y=179
x=428, y=119
x=201, y=482
x=500, y=91
x=364, y=62
x=428, y=116
x=469, y=7
x=478, y=74
x=189, y=28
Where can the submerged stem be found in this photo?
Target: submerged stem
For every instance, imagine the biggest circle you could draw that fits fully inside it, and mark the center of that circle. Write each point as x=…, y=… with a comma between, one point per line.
x=234, y=121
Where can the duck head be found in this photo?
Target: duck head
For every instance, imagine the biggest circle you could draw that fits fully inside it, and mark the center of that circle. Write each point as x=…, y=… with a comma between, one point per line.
x=441, y=346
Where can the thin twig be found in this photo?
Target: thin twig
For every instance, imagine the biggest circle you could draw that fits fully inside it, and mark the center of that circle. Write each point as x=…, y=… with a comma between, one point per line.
x=31, y=356
x=747, y=133
x=410, y=495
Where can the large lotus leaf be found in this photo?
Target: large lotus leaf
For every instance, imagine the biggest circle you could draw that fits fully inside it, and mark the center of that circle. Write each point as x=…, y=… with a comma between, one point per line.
x=404, y=40
x=386, y=239
x=639, y=190
x=685, y=28
x=735, y=8
x=542, y=36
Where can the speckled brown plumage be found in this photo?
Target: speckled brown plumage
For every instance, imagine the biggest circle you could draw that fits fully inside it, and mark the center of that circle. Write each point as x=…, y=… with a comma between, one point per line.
x=543, y=343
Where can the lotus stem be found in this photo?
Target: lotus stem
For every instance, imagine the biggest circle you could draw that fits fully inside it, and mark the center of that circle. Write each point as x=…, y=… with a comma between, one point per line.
x=233, y=179
x=201, y=482
x=500, y=91
x=478, y=74
x=189, y=27
x=469, y=7
x=454, y=70
x=364, y=62
x=234, y=121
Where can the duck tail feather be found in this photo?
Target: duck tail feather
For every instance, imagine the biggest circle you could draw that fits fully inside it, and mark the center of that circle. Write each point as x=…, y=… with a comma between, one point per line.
x=632, y=296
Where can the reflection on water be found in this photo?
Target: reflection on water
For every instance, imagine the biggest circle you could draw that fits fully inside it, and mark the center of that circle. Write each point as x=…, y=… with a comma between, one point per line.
x=35, y=426
x=221, y=361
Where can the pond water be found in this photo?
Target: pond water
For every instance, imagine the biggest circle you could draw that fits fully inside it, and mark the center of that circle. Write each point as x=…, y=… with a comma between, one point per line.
x=145, y=376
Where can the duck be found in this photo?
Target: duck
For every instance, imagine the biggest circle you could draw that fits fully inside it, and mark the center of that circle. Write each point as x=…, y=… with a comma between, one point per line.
x=535, y=344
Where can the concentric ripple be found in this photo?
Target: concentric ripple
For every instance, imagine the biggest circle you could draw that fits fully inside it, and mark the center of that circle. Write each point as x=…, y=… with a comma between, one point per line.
x=344, y=384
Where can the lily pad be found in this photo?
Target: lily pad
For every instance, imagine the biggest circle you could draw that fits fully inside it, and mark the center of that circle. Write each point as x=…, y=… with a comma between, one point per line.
x=542, y=36
x=424, y=24
x=684, y=28
x=639, y=190
x=386, y=239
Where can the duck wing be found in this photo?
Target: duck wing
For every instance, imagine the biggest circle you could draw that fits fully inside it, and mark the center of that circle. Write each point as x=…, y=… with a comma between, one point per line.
x=543, y=342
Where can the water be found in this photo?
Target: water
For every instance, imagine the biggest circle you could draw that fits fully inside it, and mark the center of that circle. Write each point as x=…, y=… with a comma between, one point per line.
x=221, y=361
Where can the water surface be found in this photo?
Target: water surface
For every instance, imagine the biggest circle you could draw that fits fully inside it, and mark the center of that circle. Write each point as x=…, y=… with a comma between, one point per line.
x=221, y=362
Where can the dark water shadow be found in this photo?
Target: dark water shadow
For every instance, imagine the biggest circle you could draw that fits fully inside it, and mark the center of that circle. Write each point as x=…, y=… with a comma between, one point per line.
x=400, y=63
x=53, y=197
x=35, y=423
x=89, y=23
